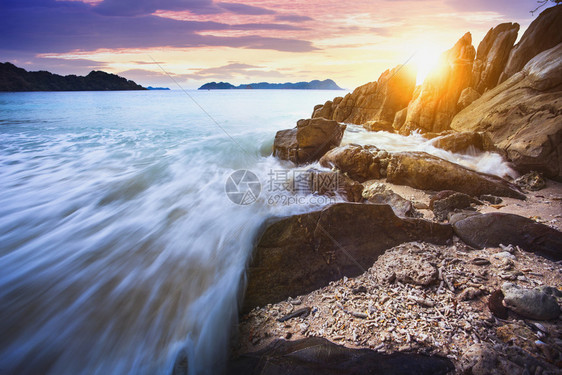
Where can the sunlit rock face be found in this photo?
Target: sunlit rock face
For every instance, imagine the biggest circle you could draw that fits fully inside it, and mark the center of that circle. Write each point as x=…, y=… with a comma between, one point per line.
x=434, y=103
x=491, y=57
x=522, y=115
x=544, y=32
x=375, y=103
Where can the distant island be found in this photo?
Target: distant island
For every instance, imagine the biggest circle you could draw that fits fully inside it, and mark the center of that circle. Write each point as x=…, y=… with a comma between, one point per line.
x=13, y=78
x=157, y=88
x=327, y=84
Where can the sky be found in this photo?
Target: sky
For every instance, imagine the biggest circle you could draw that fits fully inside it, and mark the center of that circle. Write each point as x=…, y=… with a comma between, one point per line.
x=242, y=41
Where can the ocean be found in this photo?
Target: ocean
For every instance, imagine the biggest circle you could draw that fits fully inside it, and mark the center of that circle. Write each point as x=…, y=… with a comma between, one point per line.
x=121, y=241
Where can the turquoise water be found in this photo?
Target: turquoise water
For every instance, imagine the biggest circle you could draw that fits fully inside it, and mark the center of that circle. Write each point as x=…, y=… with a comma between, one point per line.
x=118, y=245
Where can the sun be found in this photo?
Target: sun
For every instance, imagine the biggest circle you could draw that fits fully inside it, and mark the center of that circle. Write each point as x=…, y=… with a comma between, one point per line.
x=426, y=59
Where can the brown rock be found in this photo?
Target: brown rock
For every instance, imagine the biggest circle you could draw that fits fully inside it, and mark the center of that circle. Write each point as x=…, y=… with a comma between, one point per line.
x=301, y=253
x=492, y=56
x=307, y=142
x=379, y=193
x=375, y=102
x=423, y=171
x=468, y=95
x=469, y=294
x=493, y=229
x=434, y=103
x=466, y=142
x=523, y=115
x=543, y=33
x=358, y=162
x=479, y=359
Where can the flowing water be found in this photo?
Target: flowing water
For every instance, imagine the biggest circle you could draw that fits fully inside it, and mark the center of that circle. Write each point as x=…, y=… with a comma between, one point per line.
x=119, y=247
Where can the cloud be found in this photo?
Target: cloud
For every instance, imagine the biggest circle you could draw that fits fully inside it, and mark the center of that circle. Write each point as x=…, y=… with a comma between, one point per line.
x=52, y=26
x=245, y=9
x=292, y=18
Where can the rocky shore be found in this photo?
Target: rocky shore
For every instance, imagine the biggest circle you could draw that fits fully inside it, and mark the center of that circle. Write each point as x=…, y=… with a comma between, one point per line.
x=429, y=267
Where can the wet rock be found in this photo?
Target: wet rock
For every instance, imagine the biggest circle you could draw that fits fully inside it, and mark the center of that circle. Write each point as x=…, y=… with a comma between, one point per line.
x=495, y=304
x=315, y=355
x=301, y=253
x=522, y=115
x=434, y=103
x=307, y=142
x=299, y=313
x=490, y=199
x=423, y=171
x=380, y=193
x=466, y=142
x=542, y=34
x=468, y=95
x=332, y=183
x=493, y=229
x=492, y=54
x=456, y=201
x=532, y=181
x=530, y=303
x=373, y=104
x=358, y=162
x=407, y=267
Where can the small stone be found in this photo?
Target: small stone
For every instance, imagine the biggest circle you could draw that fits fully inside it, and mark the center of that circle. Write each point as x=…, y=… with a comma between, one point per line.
x=530, y=303
x=360, y=289
x=480, y=261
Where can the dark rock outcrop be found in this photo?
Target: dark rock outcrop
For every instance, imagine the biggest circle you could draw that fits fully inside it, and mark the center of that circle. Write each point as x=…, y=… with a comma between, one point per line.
x=344, y=239
x=358, y=162
x=491, y=57
x=543, y=33
x=423, y=171
x=456, y=201
x=13, y=78
x=307, y=142
x=326, y=84
x=434, y=103
x=373, y=104
x=493, y=229
x=315, y=355
x=524, y=115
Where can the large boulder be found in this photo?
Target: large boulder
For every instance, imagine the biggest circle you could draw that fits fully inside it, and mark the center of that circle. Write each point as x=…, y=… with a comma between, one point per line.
x=318, y=356
x=434, y=103
x=423, y=171
x=542, y=34
x=361, y=163
x=468, y=95
x=523, y=115
x=301, y=253
x=307, y=142
x=492, y=56
x=375, y=102
x=493, y=229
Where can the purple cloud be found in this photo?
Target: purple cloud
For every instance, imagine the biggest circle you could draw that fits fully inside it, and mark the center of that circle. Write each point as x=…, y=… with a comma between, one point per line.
x=50, y=26
x=245, y=9
x=292, y=18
